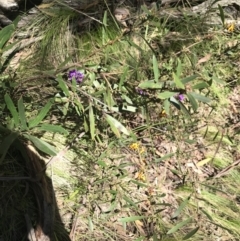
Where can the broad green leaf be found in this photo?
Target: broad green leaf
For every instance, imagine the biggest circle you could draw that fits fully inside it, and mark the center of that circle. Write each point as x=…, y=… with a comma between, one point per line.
x=189, y=79
x=221, y=13
x=131, y=219
x=63, y=86
x=65, y=109
x=42, y=145
x=52, y=128
x=5, y=34
x=190, y=234
x=155, y=69
x=44, y=111
x=102, y=163
x=178, y=82
x=166, y=105
x=150, y=84
x=128, y=100
x=166, y=94
x=6, y=143
x=90, y=224
x=180, y=225
x=201, y=85
x=181, y=207
x=179, y=68
x=193, y=102
x=217, y=80
x=22, y=116
x=12, y=109
x=200, y=97
x=116, y=126
x=92, y=122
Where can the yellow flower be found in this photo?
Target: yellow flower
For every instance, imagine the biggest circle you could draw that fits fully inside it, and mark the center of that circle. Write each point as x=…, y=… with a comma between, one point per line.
x=140, y=176
x=137, y=147
x=163, y=114
x=134, y=146
x=230, y=27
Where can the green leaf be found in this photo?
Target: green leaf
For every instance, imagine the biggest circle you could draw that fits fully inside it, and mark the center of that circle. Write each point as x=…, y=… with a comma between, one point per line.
x=165, y=157
x=44, y=111
x=128, y=200
x=92, y=122
x=221, y=13
x=179, y=68
x=190, y=234
x=131, y=219
x=22, y=116
x=63, y=86
x=178, y=82
x=52, y=128
x=150, y=84
x=90, y=224
x=6, y=143
x=116, y=126
x=12, y=109
x=200, y=97
x=166, y=94
x=131, y=43
x=217, y=80
x=201, y=85
x=155, y=68
x=179, y=106
x=166, y=106
x=207, y=214
x=181, y=207
x=189, y=79
x=42, y=145
x=193, y=102
x=184, y=110
x=5, y=34
x=180, y=225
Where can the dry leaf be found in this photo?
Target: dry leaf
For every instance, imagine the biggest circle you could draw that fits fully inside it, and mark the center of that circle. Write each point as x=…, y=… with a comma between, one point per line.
x=204, y=59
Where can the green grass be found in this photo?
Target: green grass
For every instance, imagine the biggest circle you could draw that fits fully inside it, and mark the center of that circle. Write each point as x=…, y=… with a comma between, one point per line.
x=163, y=188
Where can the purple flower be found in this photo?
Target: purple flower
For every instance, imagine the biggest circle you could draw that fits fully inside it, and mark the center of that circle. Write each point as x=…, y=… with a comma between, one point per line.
x=140, y=91
x=75, y=74
x=180, y=97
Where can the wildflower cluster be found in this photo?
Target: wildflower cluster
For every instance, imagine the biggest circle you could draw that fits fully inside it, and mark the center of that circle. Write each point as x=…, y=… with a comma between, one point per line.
x=77, y=75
